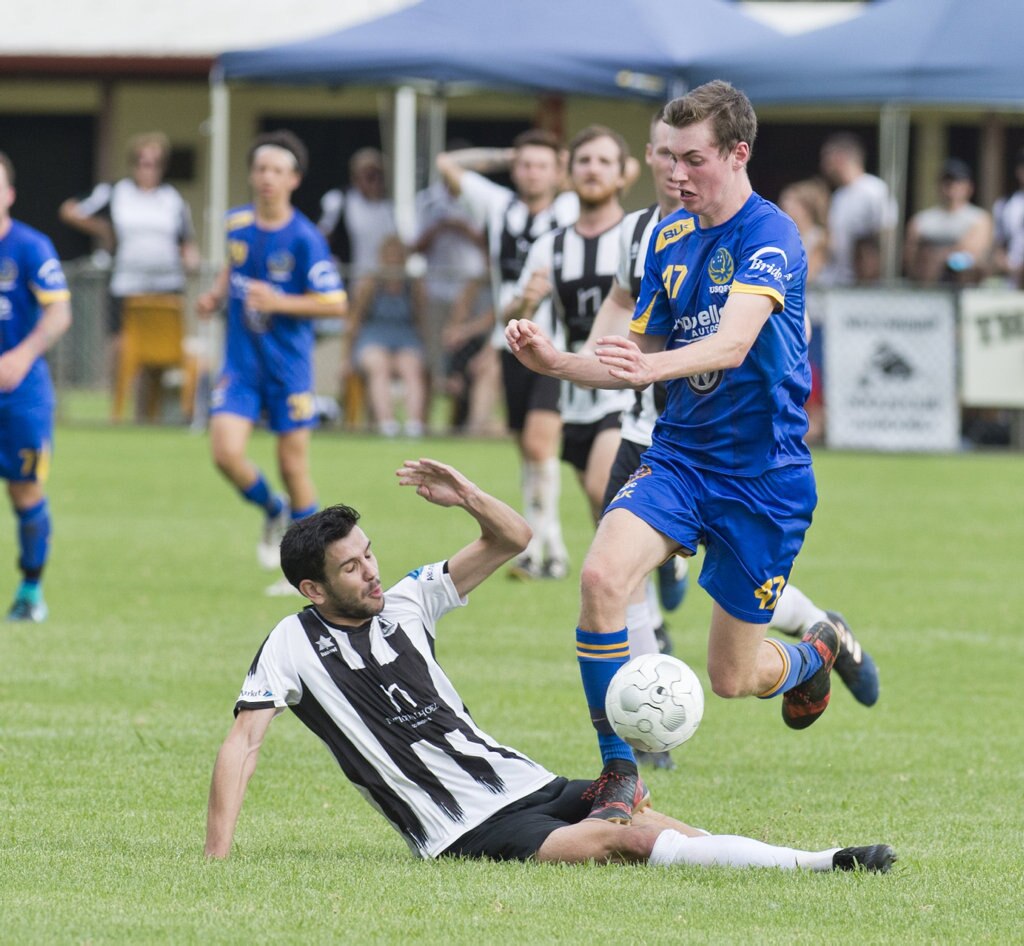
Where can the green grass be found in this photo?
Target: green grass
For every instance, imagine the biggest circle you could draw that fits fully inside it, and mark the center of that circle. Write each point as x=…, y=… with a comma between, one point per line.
x=112, y=712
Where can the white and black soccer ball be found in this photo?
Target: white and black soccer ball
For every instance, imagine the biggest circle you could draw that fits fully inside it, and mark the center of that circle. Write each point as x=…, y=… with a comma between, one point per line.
x=655, y=702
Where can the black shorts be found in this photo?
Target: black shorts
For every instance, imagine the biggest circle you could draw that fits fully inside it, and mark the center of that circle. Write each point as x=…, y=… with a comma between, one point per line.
x=457, y=362
x=517, y=832
x=626, y=462
x=578, y=439
x=526, y=391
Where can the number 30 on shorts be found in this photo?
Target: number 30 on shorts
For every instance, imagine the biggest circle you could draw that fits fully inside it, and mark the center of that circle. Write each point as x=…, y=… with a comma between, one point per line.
x=770, y=592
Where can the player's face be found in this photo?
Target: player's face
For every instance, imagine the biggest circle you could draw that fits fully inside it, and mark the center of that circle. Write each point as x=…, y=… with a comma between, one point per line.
x=536, y=172
x=273, y=176
x=659, y=160
x=596, y=171
x=351, y=590
x=708, y=180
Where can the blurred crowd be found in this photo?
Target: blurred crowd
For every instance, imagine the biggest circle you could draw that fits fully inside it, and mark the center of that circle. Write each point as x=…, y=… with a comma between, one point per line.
x=423, y=312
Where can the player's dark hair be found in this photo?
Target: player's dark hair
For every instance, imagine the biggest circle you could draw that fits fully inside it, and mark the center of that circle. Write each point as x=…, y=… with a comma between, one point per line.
x=8, y=165
x=305, y=542
x=658, y=116
x=282, y=139
x=537, y=137
x=729, y=110
x=592, y=133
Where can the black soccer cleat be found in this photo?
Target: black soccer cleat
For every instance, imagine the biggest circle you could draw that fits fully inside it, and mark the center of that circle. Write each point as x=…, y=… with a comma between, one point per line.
x=617, y=793
x=855, y=666
x=874, y=857
x=802, y=705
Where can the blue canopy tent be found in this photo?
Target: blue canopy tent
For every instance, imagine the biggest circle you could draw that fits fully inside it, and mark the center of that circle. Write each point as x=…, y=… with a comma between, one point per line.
x=941, y=52
x=632, y=48
x=646, y=49
x=894, y=55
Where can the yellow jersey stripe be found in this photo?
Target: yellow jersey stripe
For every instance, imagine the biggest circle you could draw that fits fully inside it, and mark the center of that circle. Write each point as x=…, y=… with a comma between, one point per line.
x=52, y=295
x=759, y=291
x=639, y=322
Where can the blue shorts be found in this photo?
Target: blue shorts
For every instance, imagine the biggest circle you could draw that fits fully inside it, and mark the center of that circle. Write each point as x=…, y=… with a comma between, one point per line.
x=751, y=527
x=26, y=436
x=284, y=410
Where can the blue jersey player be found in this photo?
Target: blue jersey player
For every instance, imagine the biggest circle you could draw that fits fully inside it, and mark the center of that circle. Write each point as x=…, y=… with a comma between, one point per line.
x=720, y=319
x=278, y=278
x=34, y=312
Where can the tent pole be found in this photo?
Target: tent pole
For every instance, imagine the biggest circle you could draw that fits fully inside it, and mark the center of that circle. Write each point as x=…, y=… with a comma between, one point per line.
x=217, y=205
x=894, y=153
x=405, y=162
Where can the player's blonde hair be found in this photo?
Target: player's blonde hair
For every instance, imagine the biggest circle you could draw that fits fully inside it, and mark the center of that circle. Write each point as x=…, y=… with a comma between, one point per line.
x=728, y=109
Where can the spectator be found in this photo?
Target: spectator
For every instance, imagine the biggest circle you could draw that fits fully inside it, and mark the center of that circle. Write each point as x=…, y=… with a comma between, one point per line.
x=454, y=250
x=387, y=315
x=952, y=241
x=357, y=220
x=861, y=211
x=807, y=202
x=149, y=225
x=1009, y=229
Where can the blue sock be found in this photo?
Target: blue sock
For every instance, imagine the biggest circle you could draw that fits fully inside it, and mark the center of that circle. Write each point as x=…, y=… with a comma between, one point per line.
x=259, y=494
x=800, y=662
x=33, y=539
x=599, y=656
x=298, y=514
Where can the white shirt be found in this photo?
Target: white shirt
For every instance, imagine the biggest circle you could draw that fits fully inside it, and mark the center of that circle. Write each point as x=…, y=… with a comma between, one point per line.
x=452, y=258
x=368, y=222
x=390, y=716
x=150, y=226
x=862, y=208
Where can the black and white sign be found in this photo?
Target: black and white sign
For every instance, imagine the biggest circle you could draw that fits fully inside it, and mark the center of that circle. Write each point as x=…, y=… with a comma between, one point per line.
x=890, y=370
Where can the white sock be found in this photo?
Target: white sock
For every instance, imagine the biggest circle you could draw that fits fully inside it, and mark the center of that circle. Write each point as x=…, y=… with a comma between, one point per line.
x=641, y=630
x=795, y=613
x=652, y=601
x=549, y=489
x=533, y=508
x=731, y=850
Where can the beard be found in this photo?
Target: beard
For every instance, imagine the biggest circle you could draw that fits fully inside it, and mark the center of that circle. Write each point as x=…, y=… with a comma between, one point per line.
x=352, y=607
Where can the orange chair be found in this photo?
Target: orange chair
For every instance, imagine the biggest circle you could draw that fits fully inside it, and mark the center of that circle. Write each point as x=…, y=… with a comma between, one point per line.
x=153, y=328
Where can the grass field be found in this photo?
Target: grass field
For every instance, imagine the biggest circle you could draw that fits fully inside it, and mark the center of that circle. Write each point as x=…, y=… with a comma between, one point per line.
x=112, y=712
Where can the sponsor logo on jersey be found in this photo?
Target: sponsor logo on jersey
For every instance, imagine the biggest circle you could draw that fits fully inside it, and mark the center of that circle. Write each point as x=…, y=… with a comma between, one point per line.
x=280, y=266
x=703, y=323
x=673, y=233
x=238, y=251
x=8, y=274
x=248, y=694
x=326, y=645
x=51, y=276
x=5, y=308
x=721, y=267
x=323, y=277
x=705, y=382
x=757, y=264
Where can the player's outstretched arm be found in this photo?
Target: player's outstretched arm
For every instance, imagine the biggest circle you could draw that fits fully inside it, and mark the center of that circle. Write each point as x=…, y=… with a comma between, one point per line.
x=534, y=349
x=235, y=765
x=503, y=532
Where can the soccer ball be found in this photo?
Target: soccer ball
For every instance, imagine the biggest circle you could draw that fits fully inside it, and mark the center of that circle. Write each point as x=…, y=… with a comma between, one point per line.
x=654, y=702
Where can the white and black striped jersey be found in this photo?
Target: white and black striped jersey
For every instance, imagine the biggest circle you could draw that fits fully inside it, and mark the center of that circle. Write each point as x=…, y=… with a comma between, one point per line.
x=637, y=227
x=390, y=716
x=511, y=230
x=582, y=270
